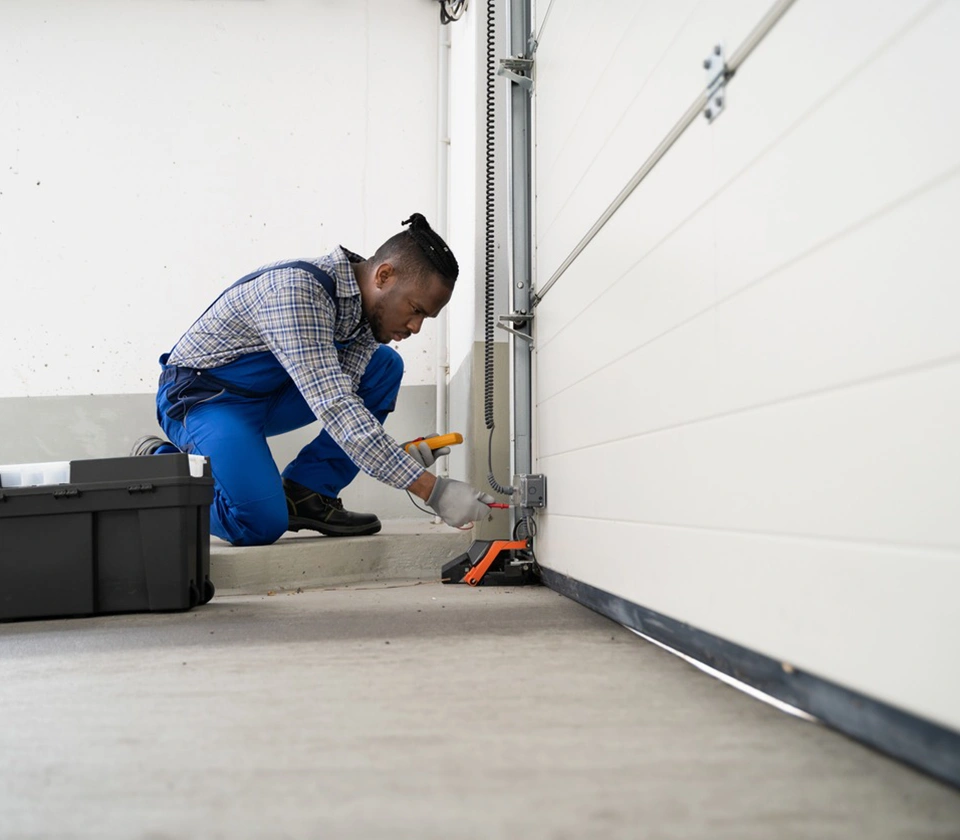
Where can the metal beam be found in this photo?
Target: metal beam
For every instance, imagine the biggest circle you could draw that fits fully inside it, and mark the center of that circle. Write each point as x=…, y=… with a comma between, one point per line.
x=521, y=236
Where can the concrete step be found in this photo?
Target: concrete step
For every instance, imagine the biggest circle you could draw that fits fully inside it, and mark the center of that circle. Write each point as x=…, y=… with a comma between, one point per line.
x=406, y=549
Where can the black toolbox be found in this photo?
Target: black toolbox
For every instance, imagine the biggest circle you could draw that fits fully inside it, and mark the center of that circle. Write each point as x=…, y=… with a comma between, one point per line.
x=124, y=535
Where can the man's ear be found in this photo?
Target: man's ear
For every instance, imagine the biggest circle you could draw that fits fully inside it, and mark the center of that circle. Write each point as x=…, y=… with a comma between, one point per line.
x=384, y=275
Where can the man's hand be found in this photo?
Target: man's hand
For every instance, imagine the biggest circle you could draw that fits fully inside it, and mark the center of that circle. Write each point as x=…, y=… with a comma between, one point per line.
x=421, y=452
x=457, y=503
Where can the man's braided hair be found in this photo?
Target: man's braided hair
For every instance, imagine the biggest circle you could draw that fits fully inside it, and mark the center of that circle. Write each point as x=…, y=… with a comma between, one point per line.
x=421, y=251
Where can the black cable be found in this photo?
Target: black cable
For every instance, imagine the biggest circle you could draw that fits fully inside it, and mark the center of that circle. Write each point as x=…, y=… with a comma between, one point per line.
x=489, y=288
x=425, y=510
x=489, y=298
x=525, y=529
x=451, y=10
x=506, y=491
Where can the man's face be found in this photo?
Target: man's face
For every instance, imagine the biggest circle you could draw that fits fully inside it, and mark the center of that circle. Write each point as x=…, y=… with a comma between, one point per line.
x=401, y=304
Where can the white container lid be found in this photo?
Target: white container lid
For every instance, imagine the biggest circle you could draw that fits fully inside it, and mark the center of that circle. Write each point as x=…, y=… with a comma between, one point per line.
x=35, y=475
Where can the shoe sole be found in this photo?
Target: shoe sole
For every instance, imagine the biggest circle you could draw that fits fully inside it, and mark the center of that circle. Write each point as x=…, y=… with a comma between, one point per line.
x=297, y=524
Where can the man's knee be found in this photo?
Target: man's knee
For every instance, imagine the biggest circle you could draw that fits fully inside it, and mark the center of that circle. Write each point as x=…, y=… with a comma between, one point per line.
x=381, y=381
x=390, y=364
x=261, y=523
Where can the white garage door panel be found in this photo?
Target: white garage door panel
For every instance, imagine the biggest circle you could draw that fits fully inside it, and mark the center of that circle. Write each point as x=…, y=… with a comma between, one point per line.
x=766, y=102
x=673, y=284
x=800, y=318
x=805, y=59
x=649, y=222
x=882, y=298
x=878, y=462
x=578, y=119
x=586, y=180
x=747, y=386
x=885, y=133
x=549, y=9
x=664, y=384
x=834, y=609
x=578, y=57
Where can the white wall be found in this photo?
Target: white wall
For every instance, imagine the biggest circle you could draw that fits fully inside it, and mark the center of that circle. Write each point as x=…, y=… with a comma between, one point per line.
x=466, y=237
x=748, y=385
x=154, y=151
x=468, y=177
x=465, y=187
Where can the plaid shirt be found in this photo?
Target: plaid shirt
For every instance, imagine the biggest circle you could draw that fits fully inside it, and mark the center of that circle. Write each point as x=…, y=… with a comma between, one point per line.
x=288, y=313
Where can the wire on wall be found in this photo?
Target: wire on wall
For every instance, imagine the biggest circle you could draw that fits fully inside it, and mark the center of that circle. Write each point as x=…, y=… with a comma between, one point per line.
x=451, y=10
x=489, y=241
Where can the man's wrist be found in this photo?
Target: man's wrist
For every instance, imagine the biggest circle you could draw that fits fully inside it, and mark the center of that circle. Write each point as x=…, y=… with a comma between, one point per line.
x=422, y=486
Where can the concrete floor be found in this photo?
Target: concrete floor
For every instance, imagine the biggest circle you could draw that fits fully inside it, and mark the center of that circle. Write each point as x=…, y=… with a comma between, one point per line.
x=415, y=710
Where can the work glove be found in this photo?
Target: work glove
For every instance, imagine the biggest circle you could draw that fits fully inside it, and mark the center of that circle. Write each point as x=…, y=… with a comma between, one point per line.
x=457, y=503
x=423, y=454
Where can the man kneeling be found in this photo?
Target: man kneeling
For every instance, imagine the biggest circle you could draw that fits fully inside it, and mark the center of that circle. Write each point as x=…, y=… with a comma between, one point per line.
x=300, y=341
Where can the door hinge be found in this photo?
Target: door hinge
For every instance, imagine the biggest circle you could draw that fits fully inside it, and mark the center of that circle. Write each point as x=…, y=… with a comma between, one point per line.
x=717, y=74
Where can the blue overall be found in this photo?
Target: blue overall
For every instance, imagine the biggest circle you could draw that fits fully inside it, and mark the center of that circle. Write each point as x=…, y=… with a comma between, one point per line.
x=228, y=412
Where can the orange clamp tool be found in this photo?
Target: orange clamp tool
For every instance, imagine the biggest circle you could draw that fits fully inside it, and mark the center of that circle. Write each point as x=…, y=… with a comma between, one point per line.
x=500, y=562
x=475, y=575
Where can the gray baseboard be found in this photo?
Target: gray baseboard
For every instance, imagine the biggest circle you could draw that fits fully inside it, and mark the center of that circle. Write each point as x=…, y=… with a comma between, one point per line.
x=913, y=740
x=71, y=428
x=105, y=425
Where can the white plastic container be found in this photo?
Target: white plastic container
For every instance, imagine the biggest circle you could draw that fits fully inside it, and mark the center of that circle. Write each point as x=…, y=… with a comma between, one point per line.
x=33, y=475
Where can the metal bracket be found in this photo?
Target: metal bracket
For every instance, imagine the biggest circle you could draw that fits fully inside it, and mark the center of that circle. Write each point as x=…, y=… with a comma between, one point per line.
x=511, y=68
x=520, y=321
x=716, y=66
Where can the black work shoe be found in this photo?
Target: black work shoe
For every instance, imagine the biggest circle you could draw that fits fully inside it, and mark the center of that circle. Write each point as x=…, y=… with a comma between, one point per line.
x=148, y=445
x=324, y=514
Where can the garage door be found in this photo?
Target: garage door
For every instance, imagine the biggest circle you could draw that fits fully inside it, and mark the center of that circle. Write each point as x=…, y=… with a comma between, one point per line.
x=747, y=382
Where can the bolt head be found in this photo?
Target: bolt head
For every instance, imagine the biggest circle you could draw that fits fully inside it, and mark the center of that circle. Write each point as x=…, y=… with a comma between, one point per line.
x=706, y=63
x=719, y=102
x=709, y=114
x=717, y=50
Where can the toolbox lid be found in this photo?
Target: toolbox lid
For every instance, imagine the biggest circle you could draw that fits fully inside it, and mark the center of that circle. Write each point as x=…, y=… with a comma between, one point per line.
x=139, y=468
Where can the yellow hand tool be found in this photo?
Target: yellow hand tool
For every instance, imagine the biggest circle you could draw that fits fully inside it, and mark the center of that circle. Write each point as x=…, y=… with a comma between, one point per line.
x=437, y=441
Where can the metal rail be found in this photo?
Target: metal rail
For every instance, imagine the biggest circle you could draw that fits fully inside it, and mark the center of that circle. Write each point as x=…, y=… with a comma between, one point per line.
x=759, y=32
x=520, y=235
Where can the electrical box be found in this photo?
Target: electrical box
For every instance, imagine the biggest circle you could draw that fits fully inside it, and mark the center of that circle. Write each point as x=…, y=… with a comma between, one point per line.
x=531, y=490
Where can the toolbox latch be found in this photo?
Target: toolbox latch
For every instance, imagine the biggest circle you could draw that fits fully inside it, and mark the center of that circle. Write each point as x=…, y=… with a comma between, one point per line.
x=141, y=488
